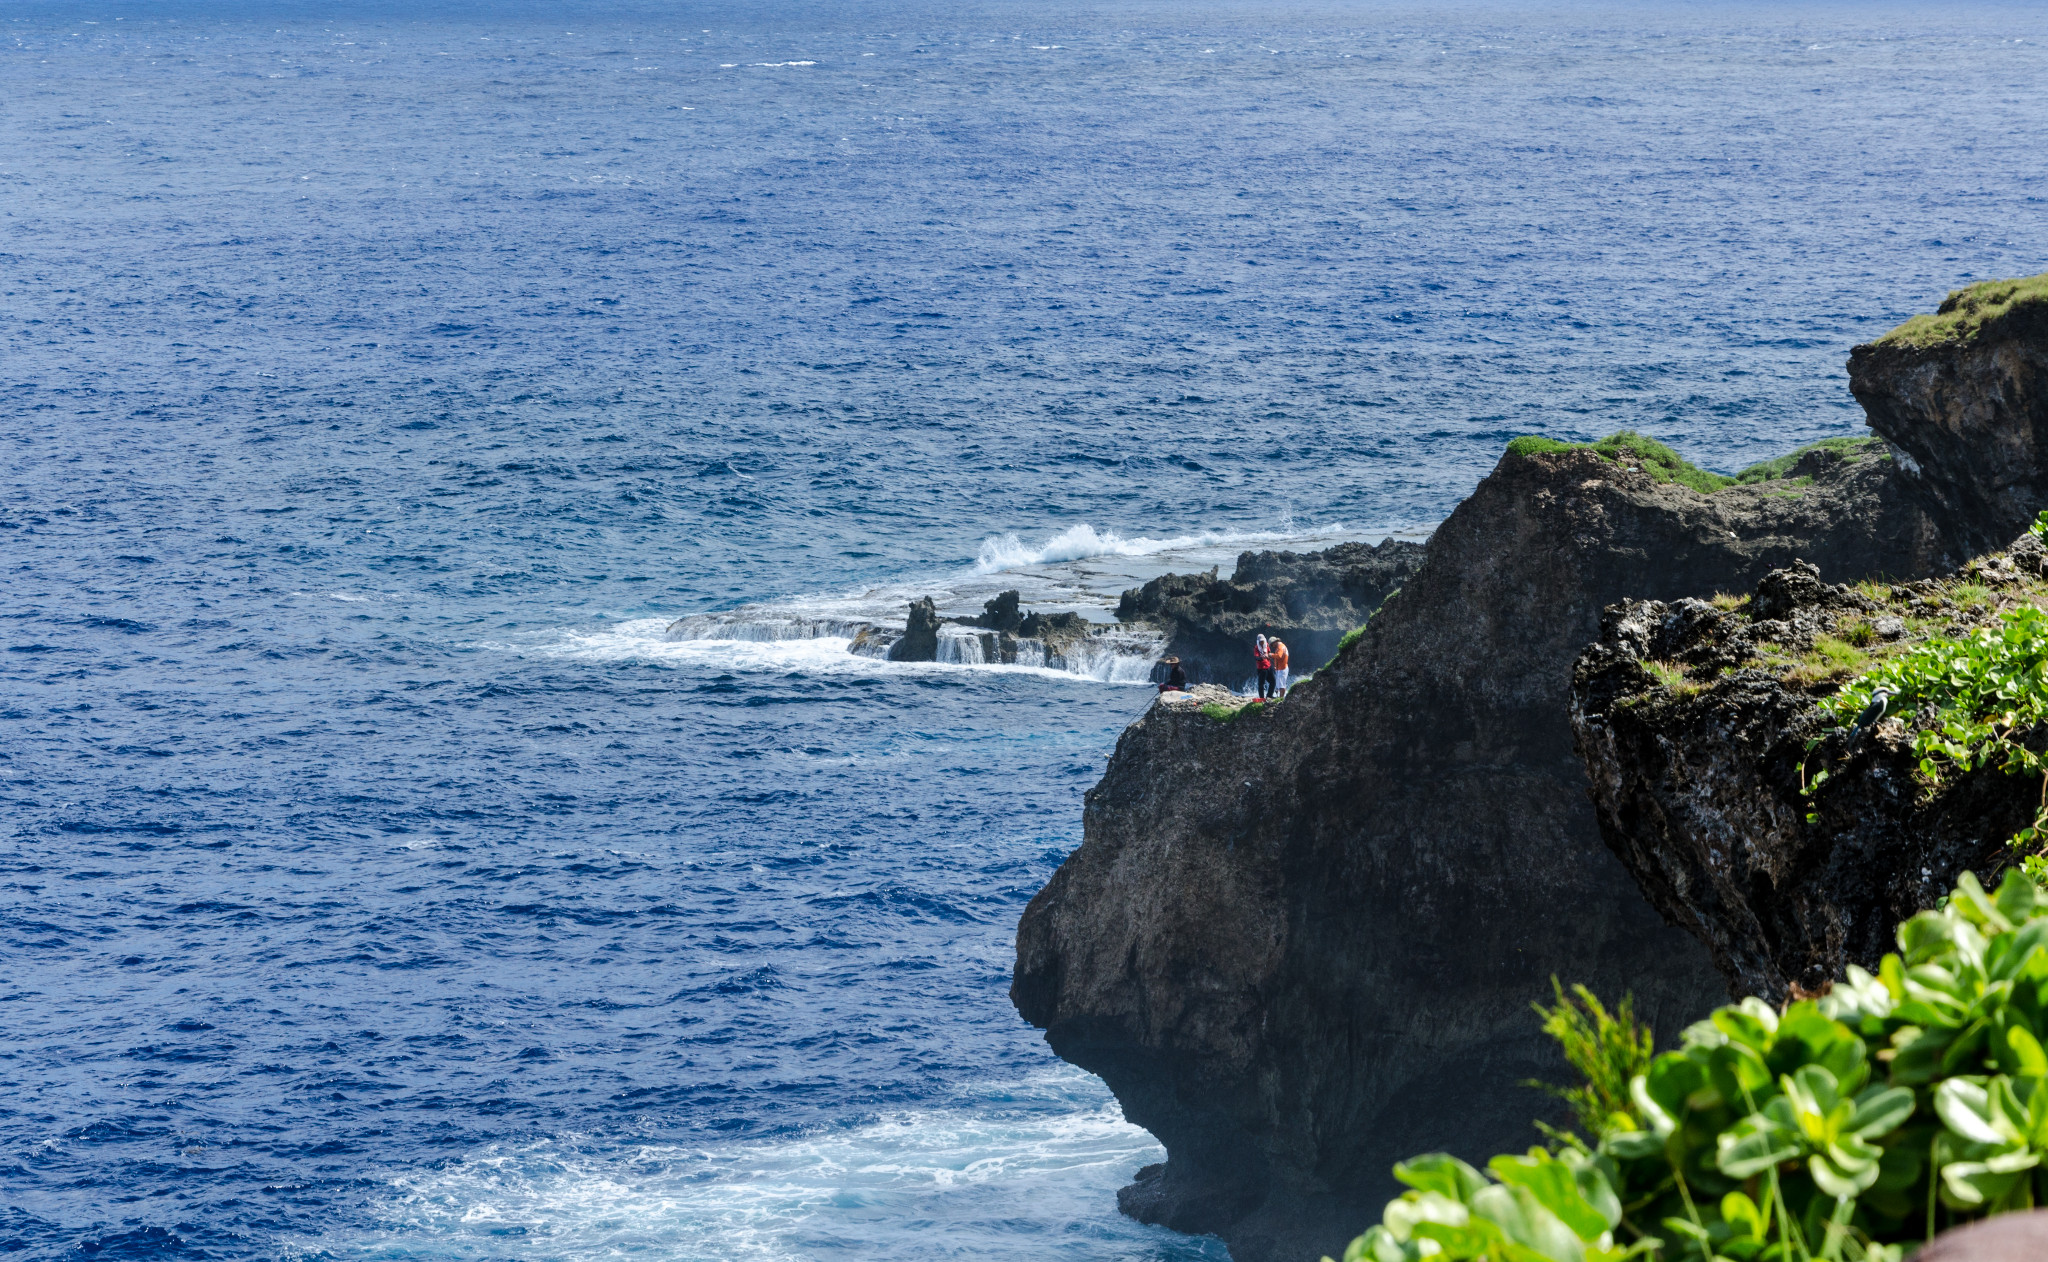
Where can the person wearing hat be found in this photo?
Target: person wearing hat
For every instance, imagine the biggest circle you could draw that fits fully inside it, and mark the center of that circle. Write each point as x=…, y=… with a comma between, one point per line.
x=1176, y=678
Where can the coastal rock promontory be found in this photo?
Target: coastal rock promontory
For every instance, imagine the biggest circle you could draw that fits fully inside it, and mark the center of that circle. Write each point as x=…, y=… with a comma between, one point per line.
x=1300, y=943
x=1962, y=395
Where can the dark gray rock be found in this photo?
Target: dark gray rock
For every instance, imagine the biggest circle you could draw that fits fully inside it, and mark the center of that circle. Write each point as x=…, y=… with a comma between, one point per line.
x=1969, y=421
x=920, y=641
x=1302, y=944
x=1701, y=787
x=1001, y=613
x=1308, y=599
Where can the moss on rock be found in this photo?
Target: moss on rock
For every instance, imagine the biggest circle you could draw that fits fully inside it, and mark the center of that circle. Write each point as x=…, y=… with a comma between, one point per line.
x=1965, y=312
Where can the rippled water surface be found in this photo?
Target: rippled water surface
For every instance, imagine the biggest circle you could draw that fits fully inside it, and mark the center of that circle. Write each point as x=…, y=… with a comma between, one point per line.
x=379, y=881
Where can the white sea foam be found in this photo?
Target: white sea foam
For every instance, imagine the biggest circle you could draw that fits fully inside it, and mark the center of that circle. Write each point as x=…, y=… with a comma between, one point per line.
x=1023, y=1171
x=1080, y=569
x=1084, y=542
x=1113, y=656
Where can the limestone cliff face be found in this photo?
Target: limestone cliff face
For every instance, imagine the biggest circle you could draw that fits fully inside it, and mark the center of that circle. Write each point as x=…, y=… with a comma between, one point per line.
x=1970, y=418
x=1302, y=944
x=1702, y=782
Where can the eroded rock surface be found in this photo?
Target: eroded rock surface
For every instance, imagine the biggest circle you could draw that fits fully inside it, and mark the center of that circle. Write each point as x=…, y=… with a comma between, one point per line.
x=1308, y=599
x=1702, y=733
x=1970, y=419
x=1301, y=944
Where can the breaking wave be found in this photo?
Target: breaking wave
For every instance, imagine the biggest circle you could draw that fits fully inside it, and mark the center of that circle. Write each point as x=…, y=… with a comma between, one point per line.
x=1084, y=542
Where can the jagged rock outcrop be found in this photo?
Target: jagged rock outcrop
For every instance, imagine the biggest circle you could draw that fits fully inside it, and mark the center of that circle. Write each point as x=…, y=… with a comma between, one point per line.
x=1301, y=944
x=1702, y=732
x=920, y=639
x=1966, y=407
x=1308, y=599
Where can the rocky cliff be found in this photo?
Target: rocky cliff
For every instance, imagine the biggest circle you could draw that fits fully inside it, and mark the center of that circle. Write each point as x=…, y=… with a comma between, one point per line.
x=1702, y=728
x=1786, y=843
x=1301, y=944
x=1963, y=397
x=1308, y=599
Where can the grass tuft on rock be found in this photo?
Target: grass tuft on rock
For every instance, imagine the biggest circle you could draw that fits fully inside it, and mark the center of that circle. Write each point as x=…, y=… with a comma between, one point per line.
x=1964, y=313
x=1627, y=446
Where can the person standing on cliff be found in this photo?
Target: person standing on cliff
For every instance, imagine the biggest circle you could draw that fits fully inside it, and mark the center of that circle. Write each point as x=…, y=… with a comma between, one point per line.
x=1278, y=652
x=1262, y=658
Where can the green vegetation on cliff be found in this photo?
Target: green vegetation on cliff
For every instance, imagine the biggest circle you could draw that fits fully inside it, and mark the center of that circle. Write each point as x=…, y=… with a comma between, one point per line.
x=1987, y=691
x=1850, y=449
x=1844, y=1129
x=1666, y=465
x=1653, y=457
x=1965, y=312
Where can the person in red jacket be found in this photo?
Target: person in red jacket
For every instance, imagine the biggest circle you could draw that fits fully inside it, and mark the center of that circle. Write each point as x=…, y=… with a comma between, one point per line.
x=1262, y=658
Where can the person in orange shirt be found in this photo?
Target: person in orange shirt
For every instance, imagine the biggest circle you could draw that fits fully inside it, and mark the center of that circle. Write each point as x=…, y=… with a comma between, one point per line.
x=1278, y=652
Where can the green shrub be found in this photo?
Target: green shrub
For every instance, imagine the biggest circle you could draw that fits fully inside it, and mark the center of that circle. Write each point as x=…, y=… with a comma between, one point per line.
x=1988, y=691
x=1845, y=1129
x=1350, y=638
x=1653, y=457
x=1221, y=713
x=1608, y=1050
x=1966, y=311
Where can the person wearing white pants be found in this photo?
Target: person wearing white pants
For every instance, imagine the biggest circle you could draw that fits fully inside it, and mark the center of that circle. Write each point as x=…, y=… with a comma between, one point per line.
x=1280, y=671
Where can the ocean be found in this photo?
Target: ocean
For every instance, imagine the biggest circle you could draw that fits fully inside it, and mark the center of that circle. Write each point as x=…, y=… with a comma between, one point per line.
x=382, y=879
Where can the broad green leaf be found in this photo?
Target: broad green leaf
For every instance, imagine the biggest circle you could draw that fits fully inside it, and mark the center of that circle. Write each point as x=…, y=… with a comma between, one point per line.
x=2018, y=897
x=1441, y=1173
x=1837, y=1180
x=1964, y=1106
x=1633, y=1145
x=2009, y=955
x=1881, y=1109
x=1972, y=1183
x=1751, y=1023
x=1379, y=1245
x=2023, y=1052
x=1742, y=1214
x=1556, y=1187
x=1752, y=1146
x=1525, y=1221
x=1857, y=998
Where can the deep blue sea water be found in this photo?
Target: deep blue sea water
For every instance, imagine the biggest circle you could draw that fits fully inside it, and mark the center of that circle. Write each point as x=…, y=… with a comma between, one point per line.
x=377, y=382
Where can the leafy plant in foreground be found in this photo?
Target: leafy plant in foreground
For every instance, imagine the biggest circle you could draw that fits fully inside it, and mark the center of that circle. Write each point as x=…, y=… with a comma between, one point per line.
x=1844, y=1129
x=1607, y=1049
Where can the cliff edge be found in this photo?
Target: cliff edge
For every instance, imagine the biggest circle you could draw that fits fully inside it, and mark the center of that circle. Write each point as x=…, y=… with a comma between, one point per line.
x=1962, y=395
